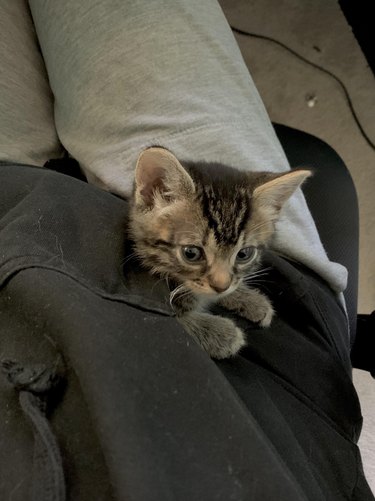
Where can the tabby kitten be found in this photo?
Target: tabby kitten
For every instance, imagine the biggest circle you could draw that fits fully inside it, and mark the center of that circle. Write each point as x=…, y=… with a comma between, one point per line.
x=202, y=227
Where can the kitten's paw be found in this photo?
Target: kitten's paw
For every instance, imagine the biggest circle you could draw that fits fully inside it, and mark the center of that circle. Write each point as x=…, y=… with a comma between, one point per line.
x=228, y=347
x=250, y=304
x=231, y=343
x=260, y=310
x=218, y=336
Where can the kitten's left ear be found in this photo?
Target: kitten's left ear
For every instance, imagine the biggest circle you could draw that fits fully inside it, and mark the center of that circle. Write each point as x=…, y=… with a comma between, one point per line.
x=274, y=193
x=159, y=173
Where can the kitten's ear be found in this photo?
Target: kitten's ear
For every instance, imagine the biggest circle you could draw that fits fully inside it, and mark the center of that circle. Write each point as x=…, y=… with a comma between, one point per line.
x=274, y=193
x=158, y=172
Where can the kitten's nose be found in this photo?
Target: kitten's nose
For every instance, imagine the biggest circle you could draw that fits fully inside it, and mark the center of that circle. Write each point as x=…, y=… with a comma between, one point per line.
x=219, y=288
x=220, y=283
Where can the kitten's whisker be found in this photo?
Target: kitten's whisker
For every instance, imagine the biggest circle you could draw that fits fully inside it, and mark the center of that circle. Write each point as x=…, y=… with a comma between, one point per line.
x=269, y=230
x=264, y=233
x=261, y=285
x=252, y=277
x=257, y=277
x=167, y=280
x=130, y=256
x=183, y=294
x=263, y=271
x=156, y=283
x=174, y=292
x=259, y=225
x=251, y=280
x=181, y=290
x=256, y=283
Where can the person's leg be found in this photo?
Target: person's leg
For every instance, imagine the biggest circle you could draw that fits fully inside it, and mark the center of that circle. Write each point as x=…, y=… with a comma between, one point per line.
x=279, y=421
x=127, y=75
x=27, y=131
x=332, y=200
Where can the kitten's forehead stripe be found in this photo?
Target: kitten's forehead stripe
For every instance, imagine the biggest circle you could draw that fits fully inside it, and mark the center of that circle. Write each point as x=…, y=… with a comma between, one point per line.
x=226, y=212
x=205, y=236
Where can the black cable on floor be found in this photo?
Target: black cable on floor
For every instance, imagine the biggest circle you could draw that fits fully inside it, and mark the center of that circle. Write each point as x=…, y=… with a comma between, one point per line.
x=314, y=65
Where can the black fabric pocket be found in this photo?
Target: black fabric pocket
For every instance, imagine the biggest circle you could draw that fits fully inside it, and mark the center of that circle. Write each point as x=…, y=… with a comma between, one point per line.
x=53, y=221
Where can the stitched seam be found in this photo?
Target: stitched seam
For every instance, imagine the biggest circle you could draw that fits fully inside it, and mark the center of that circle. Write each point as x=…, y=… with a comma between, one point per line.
x=305, y=400
x=322, y=316
x=126, y=299
x=357, y=473
x=245, y=409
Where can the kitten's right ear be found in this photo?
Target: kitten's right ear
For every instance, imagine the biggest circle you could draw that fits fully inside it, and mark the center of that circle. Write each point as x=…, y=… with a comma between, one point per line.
x=158, y=172
x=273, y=194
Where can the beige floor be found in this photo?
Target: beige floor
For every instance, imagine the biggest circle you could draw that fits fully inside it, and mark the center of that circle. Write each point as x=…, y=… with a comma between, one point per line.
x=318, y=31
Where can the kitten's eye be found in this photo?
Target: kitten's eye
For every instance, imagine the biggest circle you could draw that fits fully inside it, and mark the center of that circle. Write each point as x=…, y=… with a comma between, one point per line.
x=246, y=254
x=192, y=253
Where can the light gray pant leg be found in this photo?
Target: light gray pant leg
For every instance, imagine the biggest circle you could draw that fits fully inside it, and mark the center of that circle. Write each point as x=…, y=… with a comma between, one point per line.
x=133, y=73
x=126, y=74
x=27, y=131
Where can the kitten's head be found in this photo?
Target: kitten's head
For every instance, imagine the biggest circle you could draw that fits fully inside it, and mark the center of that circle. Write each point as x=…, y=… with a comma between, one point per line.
x=204, y=225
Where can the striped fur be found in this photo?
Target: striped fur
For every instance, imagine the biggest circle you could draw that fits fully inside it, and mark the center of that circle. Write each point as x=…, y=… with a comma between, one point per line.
x=218, y=214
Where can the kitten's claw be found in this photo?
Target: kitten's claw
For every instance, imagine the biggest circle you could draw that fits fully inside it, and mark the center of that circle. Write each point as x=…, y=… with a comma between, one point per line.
x=266, y=322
